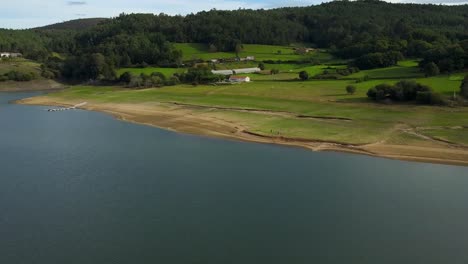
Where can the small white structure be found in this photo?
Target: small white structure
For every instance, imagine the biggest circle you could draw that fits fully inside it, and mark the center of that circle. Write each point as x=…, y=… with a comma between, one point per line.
x=239, y=79
x=222, y=72
x=10, y=55
x=237, y=71
x=247, y=70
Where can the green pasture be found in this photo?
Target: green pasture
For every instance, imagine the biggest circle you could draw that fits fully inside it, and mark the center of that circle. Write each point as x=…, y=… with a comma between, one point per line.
x=20, y=65
x=191, y=51
x=370, y=121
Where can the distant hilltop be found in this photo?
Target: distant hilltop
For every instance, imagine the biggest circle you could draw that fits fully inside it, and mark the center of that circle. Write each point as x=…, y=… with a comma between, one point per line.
x=77, y=24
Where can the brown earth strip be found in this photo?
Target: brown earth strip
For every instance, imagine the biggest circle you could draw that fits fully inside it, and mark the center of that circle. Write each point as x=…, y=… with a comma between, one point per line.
x=184, y=118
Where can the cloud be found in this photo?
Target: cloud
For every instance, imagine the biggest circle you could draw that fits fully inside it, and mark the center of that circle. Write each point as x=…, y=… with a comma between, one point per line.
x=76, y=3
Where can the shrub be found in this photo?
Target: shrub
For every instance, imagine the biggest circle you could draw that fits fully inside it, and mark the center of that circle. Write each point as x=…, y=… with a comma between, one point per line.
x=261, y=66
x=159, y=74
x=350, y=89
x=174, y=80
x=135, y=82
x=20, y=76
x=431, y=69
x=362, y=79
x=429, y=98
x=274, y=71
x=47, y=74
x=464, y=87
x=126, y=77
x=304, y=75
x=344, y=72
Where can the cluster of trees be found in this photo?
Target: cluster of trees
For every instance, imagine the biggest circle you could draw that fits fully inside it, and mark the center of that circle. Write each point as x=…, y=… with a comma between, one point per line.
x=445, y=59
x=18, y=76
x=405, y=91
x=335, y=73
x=200, y=74
x=93, y=66
x=156, y=79
x=378, y=60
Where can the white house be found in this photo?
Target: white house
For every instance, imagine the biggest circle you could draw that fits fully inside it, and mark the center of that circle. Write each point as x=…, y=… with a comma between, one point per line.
x=10, y=55
x=239, y=79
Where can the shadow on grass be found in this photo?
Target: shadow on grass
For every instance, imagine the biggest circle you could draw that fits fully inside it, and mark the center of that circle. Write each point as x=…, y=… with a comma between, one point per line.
x=335, y=95
x=355, y=100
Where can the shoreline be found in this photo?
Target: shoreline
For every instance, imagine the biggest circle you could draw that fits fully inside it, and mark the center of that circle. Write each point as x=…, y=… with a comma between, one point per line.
x=184, y=119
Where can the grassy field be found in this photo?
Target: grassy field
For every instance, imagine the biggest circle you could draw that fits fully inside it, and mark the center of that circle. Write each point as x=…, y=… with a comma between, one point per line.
x=20, y=65
x=193, y=51
x=283, y=105
x=370, y=122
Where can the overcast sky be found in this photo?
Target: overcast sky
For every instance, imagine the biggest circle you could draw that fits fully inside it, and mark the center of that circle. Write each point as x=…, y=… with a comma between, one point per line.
x=34, y=13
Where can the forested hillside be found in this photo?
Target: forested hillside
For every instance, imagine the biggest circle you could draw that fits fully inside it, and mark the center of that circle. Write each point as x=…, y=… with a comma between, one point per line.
x=372, y=33
x=77, y=24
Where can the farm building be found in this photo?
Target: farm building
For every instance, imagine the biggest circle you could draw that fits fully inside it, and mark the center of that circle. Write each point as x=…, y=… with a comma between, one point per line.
x=222, y=72
x=247, y=70
x=239, y=79
x=237, y=71
x=10, y=55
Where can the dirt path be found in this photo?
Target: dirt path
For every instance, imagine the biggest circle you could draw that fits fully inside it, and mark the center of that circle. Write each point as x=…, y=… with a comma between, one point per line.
x=262, y=111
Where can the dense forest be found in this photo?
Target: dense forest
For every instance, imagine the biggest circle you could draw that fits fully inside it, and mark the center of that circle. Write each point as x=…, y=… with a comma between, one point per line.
x=369, y=32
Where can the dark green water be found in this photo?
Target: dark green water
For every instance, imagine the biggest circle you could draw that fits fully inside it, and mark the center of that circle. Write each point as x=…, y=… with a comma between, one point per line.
x=80, y=187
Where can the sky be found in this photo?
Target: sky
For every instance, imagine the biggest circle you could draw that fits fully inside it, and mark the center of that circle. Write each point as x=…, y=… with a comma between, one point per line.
x=34, y=13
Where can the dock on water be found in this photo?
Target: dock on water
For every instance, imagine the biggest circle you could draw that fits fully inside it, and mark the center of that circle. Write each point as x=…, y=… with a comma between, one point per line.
x=67, y=108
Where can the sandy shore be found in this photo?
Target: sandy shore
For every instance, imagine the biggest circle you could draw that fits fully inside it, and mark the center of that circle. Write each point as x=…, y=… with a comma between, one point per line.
x=186, y=119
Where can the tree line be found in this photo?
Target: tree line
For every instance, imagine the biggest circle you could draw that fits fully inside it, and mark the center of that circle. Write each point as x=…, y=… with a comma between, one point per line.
x=369, y=32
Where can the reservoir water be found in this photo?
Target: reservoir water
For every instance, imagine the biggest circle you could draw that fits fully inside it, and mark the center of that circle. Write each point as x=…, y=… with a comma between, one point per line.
x=80, y=187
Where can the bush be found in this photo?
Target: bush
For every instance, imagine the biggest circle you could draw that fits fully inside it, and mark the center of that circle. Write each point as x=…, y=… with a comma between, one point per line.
x=159, y=74
x=304, y=75
x=274, y=71
x=365, y=78
x=405, y=91
x=350, y=89
x=326, y=76
x=431, y=69
x=20, y=76
x=47, y=74
x=135, y=82
x=125, y=77
x=429, y=98
x=261, y=66
x=464, y=87
x=174, y=80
